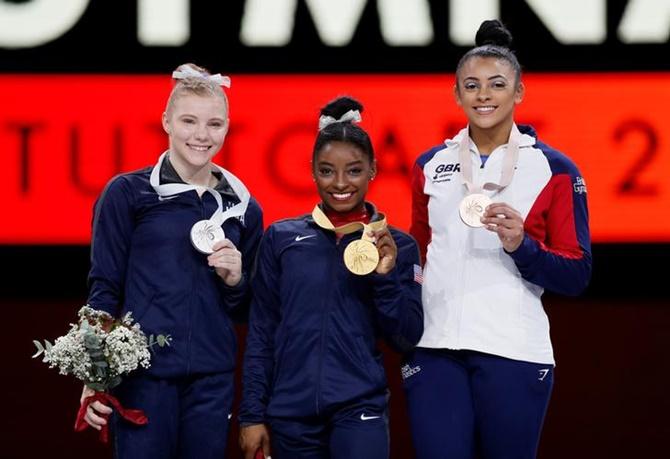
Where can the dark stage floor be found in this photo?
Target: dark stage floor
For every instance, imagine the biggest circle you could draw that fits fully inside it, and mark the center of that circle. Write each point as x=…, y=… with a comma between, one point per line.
x=609, y=401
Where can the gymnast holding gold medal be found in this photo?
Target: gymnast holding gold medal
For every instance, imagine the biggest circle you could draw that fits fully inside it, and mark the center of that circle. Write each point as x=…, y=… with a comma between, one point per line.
x=328, y=284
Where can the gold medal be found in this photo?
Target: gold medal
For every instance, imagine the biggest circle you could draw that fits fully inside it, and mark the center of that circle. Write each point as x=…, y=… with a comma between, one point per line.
x=471, y=209
x=361, y=257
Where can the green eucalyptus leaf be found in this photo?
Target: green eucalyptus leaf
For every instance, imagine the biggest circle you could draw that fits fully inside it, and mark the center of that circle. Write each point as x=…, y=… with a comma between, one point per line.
x=96, y=386
x=40, y=348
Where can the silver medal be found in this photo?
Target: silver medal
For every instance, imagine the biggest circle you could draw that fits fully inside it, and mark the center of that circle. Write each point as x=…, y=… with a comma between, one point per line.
x=204, y=234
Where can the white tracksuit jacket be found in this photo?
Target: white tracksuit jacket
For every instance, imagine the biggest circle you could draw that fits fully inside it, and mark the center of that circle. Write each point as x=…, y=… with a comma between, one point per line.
x=475, y=295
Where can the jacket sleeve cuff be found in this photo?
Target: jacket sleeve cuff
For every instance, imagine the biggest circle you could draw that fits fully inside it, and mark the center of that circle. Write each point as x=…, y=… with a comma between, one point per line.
x=111, y=310
x=527, y=253
x=246, y=420
x=386, y=284
x=240, y=287
x=249, y=424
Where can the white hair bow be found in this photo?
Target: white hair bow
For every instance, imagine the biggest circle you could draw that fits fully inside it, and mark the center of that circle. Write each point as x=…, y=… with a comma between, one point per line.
x=352, y=115
x=188, y=72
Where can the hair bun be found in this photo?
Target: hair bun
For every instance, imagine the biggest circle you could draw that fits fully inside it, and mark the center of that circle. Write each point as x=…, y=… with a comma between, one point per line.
x=493, y=32
x=338, y=107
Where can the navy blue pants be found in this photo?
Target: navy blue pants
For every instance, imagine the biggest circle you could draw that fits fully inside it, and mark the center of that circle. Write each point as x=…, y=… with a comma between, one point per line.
x=351, y=433
x=188, y=417
x=463, y=403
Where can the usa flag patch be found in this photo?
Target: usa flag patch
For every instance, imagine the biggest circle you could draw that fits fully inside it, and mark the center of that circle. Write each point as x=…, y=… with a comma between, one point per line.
x=418, y=274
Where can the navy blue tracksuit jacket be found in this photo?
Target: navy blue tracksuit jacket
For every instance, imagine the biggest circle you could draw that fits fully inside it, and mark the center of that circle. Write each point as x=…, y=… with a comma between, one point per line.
x=142, y=261
x=311, y=347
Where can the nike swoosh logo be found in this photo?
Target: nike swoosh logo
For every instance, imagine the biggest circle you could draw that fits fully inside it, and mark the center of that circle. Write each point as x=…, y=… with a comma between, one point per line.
x=367, y=418
x=300, y=238
x=166, y=198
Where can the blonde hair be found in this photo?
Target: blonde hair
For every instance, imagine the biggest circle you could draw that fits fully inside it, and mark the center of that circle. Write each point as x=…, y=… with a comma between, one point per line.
x=196, y=82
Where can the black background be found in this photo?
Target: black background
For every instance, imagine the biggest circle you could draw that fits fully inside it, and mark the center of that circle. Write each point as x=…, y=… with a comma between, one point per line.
x=105, y=41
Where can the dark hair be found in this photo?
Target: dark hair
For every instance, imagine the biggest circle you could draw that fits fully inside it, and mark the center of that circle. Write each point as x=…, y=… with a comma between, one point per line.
x=493, y=40
x=343, y=131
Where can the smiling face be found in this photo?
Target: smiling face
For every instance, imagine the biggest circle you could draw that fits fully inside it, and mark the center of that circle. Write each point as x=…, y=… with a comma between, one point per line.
x=488, y=92
x=342, y=172
x=197, y=126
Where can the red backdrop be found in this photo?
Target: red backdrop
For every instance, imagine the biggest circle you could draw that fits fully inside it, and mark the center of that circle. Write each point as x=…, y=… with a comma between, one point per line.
x=64, y=136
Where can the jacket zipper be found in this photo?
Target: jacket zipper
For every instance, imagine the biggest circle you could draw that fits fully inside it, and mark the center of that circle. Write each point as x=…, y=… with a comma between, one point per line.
x=191, y=306
x=324, y=314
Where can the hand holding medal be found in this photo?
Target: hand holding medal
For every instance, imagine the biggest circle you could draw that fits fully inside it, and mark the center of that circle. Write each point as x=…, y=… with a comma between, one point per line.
x=472, y=209
x=388, y=251
x=375, y=251
x=205, y=234
x=477, y=210
x=362, y=256
x=503, y=219
x=226, y=261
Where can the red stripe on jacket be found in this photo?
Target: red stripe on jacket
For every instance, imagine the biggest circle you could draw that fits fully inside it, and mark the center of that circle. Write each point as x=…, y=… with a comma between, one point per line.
x=420, y=229
x=551, y=220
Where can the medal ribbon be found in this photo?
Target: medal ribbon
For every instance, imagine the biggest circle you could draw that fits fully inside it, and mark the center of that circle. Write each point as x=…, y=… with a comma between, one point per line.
x=219, y=216
x=133, y=416
x=509, y=161
x=322, y=220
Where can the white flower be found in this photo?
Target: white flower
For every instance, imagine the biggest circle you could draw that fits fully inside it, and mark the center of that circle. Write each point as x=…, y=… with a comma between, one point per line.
x=69, y=355
x=126, y=349
x=99, y=349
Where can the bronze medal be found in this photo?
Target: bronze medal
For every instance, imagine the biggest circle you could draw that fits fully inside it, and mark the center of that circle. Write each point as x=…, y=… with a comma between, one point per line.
x=471, y=209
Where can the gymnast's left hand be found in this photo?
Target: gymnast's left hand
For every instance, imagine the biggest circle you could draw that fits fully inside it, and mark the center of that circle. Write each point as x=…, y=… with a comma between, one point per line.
x=506, y=221
x=388, y=251
x=227, y=262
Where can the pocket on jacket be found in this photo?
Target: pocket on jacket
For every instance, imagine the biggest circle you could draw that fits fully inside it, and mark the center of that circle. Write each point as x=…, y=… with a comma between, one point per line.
x=141, y=308
x=279, y=361
x=374, y=369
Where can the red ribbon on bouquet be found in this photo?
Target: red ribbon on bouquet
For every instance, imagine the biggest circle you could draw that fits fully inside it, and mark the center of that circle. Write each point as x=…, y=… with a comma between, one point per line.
x=135, y=416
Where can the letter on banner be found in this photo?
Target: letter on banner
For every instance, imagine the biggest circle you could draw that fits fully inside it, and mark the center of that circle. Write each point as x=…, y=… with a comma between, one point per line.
x=24, y=25
x=645, y=21
x=405, y=23
x=163, y=22
x=573, y=22
x=271, y=22
x=465, y=16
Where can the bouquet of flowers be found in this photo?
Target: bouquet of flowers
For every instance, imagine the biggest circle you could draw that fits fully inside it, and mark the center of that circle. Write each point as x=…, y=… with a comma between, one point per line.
x=99, y=350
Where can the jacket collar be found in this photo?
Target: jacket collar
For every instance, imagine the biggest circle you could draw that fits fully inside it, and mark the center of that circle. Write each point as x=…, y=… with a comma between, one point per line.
x=372, y=211
x=528, y=136
x=168, y=174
